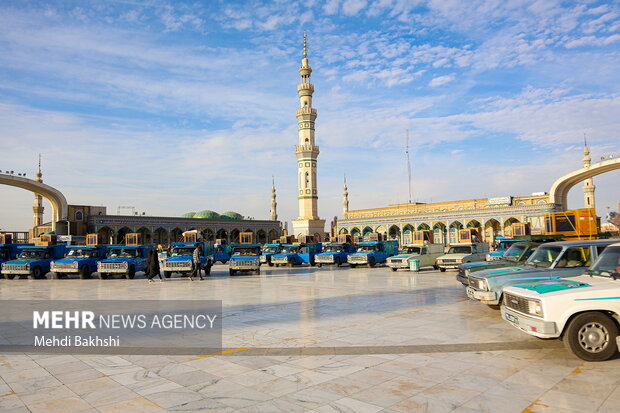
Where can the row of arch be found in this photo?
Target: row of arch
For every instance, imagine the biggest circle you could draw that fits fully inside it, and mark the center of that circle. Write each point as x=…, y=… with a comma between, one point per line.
x=164, y=236
x=443, y=233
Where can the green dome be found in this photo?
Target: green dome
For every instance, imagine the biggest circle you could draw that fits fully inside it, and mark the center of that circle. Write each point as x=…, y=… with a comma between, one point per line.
x=231, y=215
x=206, y=214
x=188, y=215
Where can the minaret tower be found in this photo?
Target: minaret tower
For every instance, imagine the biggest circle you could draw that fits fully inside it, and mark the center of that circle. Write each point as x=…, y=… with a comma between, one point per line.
x=273, y=214
x=345, y=199
x=308, y=222
x=588, y=184
x=37, y=209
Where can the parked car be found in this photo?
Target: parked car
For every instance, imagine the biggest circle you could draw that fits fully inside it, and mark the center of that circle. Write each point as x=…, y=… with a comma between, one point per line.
x=427, y=254
x=555, y=259
x=583, y=311
x=516, y=255
x=460, y=253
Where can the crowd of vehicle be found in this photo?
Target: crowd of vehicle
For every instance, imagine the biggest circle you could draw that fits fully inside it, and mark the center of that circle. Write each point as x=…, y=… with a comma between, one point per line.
x=568, y=290
x=545, y=287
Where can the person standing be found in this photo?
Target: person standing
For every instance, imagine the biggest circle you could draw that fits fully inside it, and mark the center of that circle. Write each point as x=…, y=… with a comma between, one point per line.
x=152, y=264
x=196, y=268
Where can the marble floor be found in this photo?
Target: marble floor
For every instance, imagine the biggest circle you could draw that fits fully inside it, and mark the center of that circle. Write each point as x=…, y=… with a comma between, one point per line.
x=315, y=340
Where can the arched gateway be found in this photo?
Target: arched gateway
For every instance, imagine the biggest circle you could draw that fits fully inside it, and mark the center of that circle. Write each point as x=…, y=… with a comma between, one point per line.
x=54, y=196
x=559, y=190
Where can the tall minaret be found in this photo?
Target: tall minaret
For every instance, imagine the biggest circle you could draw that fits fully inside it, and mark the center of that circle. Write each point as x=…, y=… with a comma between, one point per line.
x=308, y=222
x=273, y=214
x=37, y=209
x=345, y=199
x=588, y=184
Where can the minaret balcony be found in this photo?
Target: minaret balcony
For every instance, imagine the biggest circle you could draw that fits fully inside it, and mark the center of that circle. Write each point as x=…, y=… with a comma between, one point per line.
x=306, y=87
x=305, y=111
x=307, y=149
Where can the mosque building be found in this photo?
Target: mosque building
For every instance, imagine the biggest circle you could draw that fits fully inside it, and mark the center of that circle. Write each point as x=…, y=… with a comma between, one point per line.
x=492, y=216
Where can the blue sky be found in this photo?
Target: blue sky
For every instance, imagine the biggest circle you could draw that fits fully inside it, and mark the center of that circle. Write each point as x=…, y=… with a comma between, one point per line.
x=182, y=106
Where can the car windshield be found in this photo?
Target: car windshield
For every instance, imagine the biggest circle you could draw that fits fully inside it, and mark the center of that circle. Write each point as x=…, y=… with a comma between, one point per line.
x=410, y=250
x=514, y=253
x=78, y=252
x=182, y=252
x=367, y=248
x=271, y=249
x=608, y=264
x=459, y=250
x=504, y=245
x=544, y=257
x=32, y=254
x=334, y=248
x=247, y=251
x=122, y=252
x=290, y=248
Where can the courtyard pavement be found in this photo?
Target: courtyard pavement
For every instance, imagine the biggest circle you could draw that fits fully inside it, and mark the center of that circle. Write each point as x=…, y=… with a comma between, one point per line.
x=314, y=340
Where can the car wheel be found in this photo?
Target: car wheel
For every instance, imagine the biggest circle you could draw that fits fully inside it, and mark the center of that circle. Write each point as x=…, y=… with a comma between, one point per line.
x=394, y=269
x=37, y=273
x=231, y=272
x=207, y=268
x=55, y=276
x=84, y=273
x=258, y=271
x=131, y=273
x=103, y=276
x=353, y=265
x=442, y=269
x=592, y=336
x=167, y=274
x=319, y=265
x=337, y=261
x=269, y=262
x=371, y=262
x=9, y=276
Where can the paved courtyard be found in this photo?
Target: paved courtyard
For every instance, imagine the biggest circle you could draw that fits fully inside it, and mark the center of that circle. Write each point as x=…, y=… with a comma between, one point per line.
x=315, y=340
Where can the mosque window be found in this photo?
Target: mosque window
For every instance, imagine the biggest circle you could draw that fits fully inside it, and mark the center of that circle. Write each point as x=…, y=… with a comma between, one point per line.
x=307, y=179
x=79, y=215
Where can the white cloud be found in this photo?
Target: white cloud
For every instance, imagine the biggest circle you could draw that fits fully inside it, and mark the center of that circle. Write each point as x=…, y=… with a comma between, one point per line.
x=353, y=7
x=441, y=80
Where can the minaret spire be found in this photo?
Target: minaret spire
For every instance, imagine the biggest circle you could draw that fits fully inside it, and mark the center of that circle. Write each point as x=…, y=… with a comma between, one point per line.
x=273, y=215
x=345, y=198
x=37, y=208
x=588, y=184
x=307, y=152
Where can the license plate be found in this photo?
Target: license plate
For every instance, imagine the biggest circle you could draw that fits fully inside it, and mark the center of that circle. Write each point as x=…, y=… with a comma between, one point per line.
x=470, y=292
x=511, y=318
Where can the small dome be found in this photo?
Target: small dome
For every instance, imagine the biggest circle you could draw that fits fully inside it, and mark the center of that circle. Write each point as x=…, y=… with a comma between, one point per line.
x=206, y=214
x=188, y=215
x=231, y=215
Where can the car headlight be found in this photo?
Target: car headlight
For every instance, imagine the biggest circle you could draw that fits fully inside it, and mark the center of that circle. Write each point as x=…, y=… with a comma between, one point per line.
x=74, y=264
x=535, y=307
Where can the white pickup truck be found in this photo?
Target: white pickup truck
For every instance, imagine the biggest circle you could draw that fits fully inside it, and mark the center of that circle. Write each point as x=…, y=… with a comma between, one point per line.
x=583, y=311
x=460, y=253
x=427, y=254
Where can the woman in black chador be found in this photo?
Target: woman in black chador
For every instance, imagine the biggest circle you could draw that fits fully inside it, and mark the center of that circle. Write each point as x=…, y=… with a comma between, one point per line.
x=152, y=266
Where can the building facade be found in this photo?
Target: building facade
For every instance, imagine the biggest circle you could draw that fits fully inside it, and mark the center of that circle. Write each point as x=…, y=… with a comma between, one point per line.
x=493, y=216
x=163, y=230
x=307, y=152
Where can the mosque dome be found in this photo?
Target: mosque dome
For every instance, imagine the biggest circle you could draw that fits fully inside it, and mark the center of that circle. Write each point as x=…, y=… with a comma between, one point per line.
x=231, y=215
x=207, y=214
x=188, y=215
